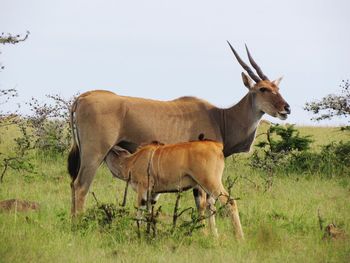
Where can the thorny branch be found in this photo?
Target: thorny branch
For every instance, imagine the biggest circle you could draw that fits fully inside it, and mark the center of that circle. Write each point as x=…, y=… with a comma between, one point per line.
x=126, y=191
x=6, y=165
x=150, y=214
x=108, y=214
x=148, y=201
x=332, y=105
x=176, y=213
x=10, y=39
x=176, y=208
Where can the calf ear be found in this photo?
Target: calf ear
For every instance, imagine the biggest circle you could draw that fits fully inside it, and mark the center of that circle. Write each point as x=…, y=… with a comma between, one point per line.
x=119, y=150
x=247, y=81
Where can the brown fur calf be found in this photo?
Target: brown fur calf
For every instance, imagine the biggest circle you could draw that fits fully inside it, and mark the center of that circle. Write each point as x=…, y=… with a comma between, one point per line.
x=157, y=169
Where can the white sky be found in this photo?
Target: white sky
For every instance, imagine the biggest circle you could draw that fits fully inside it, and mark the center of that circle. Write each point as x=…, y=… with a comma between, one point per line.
x=166, y=49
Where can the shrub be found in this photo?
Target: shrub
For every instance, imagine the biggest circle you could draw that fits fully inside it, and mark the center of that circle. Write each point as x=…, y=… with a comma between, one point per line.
x=49, y=123
x=333, y=160
x=290, y=139
x=291, y=154
x=273, y=153
x=18, y=157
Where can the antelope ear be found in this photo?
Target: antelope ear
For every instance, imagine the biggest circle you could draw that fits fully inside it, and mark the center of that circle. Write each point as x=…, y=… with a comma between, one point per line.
x=119, y=150
x=247, y=81
x=277, y=81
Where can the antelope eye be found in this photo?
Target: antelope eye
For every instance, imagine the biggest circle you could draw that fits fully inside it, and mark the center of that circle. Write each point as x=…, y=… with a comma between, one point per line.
x=264, y=89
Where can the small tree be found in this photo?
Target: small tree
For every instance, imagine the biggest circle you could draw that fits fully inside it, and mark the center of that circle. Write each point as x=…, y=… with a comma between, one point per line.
x=290, y=139
x=49, y=123
x=332, y=105
x=272, y=153
x=18, y=159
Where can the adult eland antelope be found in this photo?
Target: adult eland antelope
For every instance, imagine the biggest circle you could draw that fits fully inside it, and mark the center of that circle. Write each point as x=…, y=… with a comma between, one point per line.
x=102, y=119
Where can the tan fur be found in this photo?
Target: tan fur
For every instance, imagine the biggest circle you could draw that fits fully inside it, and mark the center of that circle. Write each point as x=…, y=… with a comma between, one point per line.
x=171, y=168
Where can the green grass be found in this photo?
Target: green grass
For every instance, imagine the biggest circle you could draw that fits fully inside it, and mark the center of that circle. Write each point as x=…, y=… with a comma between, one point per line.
x=280, y=225
x=324, y=135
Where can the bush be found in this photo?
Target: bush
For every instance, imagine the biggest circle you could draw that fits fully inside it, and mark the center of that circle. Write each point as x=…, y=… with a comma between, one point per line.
x=272, y=153
x=333, y=160
x=290, y=139
x=18, y=157
x=342, y=152
x=52, y=137
x=291, y=154
x=49, y=123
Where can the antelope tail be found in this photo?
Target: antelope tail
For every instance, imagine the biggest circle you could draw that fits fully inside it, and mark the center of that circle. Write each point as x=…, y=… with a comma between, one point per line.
x=74, y=154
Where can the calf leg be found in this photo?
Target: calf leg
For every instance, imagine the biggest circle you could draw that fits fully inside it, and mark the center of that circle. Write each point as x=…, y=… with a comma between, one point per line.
x=200, y=200
x=154, y=198
x=141, y=202
x=215, y=189
x=232, y=206
x=211, y=219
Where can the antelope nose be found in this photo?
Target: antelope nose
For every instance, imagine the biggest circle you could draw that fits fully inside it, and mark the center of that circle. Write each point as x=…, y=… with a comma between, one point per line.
x=287, y=108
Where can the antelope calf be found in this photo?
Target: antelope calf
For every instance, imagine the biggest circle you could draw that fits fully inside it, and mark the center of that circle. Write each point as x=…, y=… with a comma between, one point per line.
x=154, y=169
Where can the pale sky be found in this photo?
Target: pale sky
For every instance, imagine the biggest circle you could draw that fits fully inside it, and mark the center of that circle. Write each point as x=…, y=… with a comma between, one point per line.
x=167, y=49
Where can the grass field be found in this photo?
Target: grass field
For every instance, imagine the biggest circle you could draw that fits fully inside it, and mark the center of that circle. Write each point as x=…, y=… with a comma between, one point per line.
x=280, y=225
